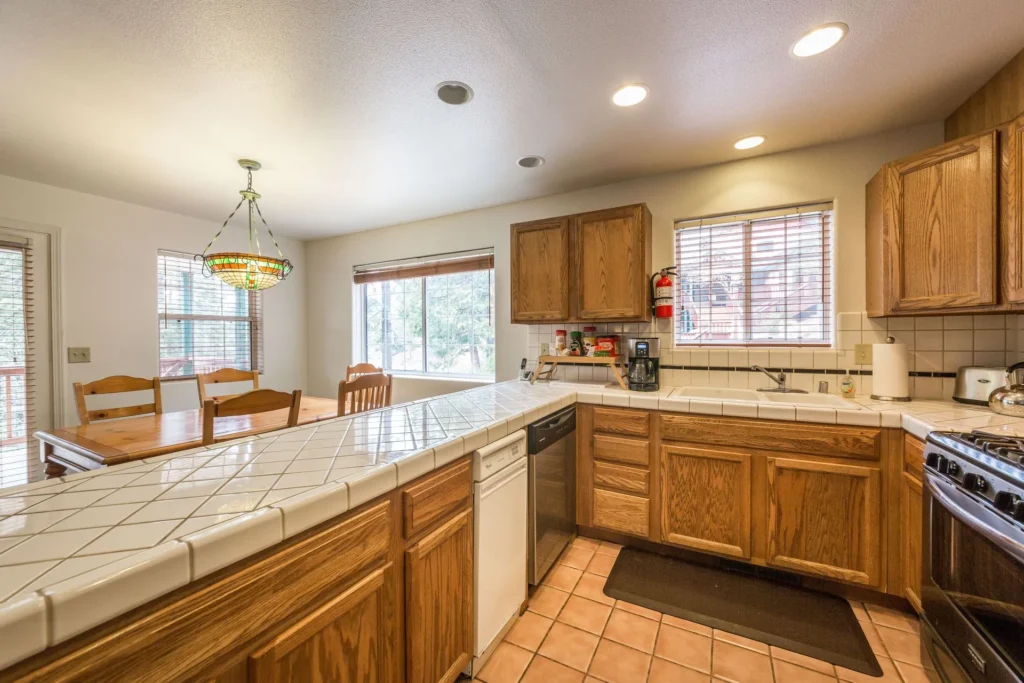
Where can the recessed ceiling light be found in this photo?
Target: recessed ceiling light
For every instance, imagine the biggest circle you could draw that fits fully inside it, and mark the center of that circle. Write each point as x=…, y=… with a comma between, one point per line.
x=454, y=92
x=749, y=143
x=628, y=95
x=532, y=161
x=819, y=40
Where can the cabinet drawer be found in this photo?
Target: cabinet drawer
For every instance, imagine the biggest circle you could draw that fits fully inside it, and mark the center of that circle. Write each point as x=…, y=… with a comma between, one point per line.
x=620, y=421
x=621, y=512
x=913, y=455
x=629, y=451
x=622, y=478
x=436, y=497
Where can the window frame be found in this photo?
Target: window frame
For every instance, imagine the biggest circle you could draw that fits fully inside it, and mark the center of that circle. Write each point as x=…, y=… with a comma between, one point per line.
x=255, y=320
x=747, y=219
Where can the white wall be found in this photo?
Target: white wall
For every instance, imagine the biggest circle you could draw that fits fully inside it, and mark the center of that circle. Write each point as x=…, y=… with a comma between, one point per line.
x=834, y=172
x=108, y=283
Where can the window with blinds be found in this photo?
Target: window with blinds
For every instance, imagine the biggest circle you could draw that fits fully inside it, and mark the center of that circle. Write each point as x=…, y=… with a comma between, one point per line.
x=17, y=396
x=752, y=279
x=205, y=325
x=429, y=316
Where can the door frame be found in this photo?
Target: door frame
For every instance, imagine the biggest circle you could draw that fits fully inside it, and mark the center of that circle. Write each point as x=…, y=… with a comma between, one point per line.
x=56, y=322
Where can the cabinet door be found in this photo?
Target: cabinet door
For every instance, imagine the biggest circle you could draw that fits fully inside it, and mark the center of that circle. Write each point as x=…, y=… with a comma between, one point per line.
x=348, y=639
x=941, y=214
x=1012, y=197
x=540, y=271
x=612, y=252
x=439, y=602
x=824, y=518
x=705, y=499
x=910, y=524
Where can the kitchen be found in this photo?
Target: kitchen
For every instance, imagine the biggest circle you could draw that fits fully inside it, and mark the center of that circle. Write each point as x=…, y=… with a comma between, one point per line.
x=739, y=490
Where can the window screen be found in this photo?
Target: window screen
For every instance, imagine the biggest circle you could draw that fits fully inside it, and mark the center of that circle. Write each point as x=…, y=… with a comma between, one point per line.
x=760, y=278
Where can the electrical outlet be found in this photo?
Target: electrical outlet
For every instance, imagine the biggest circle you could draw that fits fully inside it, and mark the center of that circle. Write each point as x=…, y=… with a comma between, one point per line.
x=79, y=354
x=862, y=354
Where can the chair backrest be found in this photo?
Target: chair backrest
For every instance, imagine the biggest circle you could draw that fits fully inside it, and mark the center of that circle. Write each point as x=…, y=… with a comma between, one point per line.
x=364, y=393
x=117, y=384
x=225, y=376
x=360, y=369
x=250, y=403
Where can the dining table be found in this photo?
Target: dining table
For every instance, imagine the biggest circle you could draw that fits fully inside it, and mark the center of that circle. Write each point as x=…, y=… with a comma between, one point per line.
x=111, y=442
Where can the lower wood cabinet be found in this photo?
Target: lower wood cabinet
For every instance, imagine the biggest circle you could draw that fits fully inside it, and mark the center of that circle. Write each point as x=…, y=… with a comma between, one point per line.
x=825, y=518
x=910, y=524
x=705, y=499
x=439, y=602
x=622, y=512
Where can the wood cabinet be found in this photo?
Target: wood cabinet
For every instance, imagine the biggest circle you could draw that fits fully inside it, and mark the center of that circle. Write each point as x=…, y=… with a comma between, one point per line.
x=587, y=267
x=705, y=499
x=1012, y=209
x=439, y=602
x=825, y=518
x=910, y=523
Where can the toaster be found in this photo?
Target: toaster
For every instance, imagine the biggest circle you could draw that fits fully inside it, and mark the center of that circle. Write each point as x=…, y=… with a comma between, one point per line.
x=974, y=384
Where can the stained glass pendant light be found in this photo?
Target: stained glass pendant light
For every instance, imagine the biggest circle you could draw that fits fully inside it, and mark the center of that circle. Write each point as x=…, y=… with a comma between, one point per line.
x=249, y=271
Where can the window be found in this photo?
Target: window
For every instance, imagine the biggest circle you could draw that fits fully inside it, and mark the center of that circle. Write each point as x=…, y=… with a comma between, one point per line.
x=205, y=325
x=430, y=316
x=19, y=464
x=758, y=278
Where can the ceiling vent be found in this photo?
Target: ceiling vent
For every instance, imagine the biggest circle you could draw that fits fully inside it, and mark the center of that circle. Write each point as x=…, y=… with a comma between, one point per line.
x=454, y=92
x=531, y=161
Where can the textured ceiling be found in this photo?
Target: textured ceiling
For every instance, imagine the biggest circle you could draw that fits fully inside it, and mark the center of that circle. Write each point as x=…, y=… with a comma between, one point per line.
x=151, y=101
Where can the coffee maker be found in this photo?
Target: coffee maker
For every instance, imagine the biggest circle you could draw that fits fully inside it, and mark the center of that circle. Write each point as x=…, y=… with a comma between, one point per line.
x=643, y=364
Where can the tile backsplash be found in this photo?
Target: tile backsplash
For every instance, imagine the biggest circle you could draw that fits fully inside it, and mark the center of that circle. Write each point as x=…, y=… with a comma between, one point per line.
x=936, y=346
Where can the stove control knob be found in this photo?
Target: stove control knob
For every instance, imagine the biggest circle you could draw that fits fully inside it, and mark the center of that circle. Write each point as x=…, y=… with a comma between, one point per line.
x=933, y=460
x=951, y=467
x=1018, y=511
x=1005, y=501
x=975, y=482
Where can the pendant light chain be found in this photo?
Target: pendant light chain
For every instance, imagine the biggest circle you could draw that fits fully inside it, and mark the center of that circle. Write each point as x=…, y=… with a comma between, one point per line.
x=269, y=231
x=224, y=225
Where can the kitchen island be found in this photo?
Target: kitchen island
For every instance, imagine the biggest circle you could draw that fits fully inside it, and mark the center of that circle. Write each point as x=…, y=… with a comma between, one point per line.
x=98, y=556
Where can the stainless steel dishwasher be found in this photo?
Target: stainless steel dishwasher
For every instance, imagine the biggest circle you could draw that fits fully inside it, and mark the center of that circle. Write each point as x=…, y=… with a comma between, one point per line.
x=551, y=449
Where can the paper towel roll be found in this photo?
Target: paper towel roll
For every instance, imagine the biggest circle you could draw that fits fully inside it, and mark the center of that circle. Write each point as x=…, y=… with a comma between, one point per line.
x=890, y=377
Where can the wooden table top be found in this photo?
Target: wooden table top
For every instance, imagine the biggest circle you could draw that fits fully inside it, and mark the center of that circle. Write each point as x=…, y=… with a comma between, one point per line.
x=116, y=441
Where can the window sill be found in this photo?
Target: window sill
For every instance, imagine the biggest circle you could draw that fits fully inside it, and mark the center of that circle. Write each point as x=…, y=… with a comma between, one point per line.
x=440, y=378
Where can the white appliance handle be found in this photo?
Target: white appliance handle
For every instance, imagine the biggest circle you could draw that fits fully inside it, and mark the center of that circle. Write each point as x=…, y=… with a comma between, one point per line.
x=491, y=485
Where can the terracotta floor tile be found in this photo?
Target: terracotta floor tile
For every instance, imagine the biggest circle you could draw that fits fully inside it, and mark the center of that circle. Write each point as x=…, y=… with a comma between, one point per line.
x=803, y=660
x=637, y=609
x=585, y=614
x=903, y=646
x=900, y=621
x=786, y=672
x=548, y=601
x=889, y=674
x=686, y=624
x=632, y=630
x=529, y=631
x=664, y=671
x=859, y=611
x=577, y=557
x=740, y=665
x=915, y=674
x=684, y=647
x=591, y=544
x=873, y=640
x=619, y=664
x=601, y=564
x=569, y=646
x=506, y=665
x=563, y=577
x=546, y=671
x=591, y=587
x=607, y=548
x=749, y=643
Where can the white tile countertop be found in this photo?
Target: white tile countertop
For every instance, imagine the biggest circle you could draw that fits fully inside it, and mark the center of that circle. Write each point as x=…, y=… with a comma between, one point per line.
x=80, y=550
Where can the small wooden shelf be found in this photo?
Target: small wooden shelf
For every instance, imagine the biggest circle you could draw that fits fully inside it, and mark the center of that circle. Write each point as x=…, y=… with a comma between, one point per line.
x=616, y=363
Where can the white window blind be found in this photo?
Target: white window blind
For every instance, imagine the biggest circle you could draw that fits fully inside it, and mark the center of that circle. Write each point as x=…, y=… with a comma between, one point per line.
x=205, y=325
x=18, y=462
x=761, y=278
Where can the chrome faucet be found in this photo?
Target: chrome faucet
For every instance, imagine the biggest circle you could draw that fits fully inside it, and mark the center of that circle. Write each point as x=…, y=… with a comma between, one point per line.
x=780, y=379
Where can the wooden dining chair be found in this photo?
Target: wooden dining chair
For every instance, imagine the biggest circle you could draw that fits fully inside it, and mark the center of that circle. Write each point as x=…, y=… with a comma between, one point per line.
x=368, y=392
x=360, y=369
x=225, y=376
x=250, y=403
x=117, y=384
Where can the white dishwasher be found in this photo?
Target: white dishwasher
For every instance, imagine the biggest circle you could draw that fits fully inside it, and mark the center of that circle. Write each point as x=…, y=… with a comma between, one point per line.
x=500, y=529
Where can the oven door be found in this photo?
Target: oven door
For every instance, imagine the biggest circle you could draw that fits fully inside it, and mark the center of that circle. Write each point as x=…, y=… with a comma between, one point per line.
x=973, y=583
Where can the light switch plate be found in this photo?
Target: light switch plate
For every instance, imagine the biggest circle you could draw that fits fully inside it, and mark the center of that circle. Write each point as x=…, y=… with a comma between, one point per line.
x=862, y=354
x=79, y=354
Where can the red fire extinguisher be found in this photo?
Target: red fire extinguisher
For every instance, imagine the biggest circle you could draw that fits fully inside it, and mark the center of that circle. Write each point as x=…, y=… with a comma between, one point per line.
x=661, y=293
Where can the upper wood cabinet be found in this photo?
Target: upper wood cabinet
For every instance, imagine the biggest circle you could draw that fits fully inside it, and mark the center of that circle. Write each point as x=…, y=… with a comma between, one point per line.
x=587, y=267
x=1012, y=209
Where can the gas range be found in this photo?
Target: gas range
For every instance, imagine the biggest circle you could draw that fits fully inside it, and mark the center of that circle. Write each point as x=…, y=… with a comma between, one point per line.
x=990, y=467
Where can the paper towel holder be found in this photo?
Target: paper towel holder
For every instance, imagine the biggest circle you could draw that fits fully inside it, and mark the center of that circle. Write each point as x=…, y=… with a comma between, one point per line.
x=890, y=340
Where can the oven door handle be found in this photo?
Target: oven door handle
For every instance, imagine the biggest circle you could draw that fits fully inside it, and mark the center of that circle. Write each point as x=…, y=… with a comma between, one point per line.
x=977, y=517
